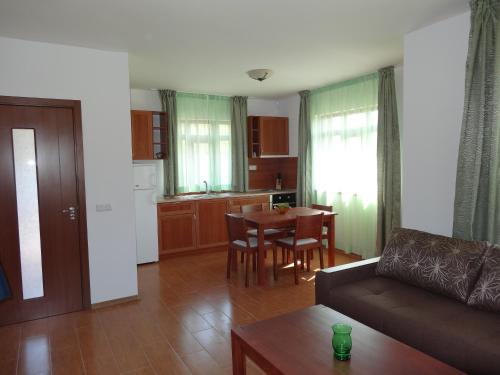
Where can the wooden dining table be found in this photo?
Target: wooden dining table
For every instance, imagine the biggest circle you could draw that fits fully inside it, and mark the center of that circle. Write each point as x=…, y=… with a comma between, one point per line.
x=273, y=220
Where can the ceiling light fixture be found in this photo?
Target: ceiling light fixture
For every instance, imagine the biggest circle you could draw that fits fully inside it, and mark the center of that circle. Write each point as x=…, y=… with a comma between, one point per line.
x=260, y=74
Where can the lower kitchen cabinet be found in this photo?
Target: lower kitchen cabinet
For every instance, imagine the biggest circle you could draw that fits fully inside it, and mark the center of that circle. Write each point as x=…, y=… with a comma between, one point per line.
x=197, y=224
x=212, y=230
x=176, y=227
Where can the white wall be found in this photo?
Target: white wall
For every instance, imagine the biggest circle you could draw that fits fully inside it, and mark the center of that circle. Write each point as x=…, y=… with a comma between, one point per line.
x=290, y=107
x=263, y=107
x=101, y=81
x=147, y=100
x=434, y=78
x=398, y=81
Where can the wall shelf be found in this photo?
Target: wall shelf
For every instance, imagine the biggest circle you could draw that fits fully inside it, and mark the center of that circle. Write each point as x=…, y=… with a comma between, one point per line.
x=149, y=135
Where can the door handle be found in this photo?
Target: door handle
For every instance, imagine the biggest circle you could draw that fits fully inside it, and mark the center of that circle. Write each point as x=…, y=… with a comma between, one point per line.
x=71, y=211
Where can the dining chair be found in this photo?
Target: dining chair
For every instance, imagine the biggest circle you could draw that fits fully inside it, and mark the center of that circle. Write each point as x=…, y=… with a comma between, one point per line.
x=240, y=241
x=307, y=237
x=324, y=233
x=269, y=234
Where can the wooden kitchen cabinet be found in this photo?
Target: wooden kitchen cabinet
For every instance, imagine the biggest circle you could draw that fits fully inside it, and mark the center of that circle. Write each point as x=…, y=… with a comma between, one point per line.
x=149, y=135
x=212, y=230
x=176, y=227
x=142, y=135
x=267, y=136
x=198, y=224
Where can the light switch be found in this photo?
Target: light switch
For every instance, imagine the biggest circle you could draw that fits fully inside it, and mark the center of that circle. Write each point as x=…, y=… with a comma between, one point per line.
x=252, y=167
x=103, y=207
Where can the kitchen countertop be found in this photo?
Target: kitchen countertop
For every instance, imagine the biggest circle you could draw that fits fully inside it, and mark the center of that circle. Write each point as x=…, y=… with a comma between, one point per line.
x=192, y=197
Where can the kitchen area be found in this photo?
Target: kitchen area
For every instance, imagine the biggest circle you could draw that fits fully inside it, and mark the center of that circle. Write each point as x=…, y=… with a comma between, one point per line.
x=169, y=226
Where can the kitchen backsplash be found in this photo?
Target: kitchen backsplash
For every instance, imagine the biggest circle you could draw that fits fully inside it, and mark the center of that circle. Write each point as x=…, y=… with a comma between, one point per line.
x=264, y=177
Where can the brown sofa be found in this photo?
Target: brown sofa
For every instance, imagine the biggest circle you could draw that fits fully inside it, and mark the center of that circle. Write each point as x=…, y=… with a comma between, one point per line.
x=416, y=294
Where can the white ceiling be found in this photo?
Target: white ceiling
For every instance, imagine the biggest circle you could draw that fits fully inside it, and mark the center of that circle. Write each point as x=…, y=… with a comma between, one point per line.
x=208, y=45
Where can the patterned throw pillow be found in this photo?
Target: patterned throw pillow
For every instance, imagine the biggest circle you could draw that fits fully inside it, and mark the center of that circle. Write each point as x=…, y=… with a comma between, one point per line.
x=486, y=292
x=440, y=264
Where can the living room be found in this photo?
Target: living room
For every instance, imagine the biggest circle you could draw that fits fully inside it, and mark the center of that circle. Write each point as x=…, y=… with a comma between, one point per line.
x=368, y=114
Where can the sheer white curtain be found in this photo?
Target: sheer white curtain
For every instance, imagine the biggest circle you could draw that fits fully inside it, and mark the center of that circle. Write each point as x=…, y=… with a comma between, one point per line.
x=203, y=142
x=344, y=159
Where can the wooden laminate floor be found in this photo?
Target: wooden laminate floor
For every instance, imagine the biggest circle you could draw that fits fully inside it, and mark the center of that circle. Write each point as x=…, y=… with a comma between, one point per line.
x=180, y=325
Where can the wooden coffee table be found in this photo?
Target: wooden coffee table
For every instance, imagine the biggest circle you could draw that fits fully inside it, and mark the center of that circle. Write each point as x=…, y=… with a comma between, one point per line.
x=301, y=343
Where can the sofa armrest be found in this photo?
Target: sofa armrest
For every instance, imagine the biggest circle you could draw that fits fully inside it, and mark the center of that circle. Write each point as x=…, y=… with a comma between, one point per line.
x=329, y=278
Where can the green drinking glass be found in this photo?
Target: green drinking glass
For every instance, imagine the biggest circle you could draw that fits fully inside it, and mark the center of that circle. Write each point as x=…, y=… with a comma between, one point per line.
x=341, y=341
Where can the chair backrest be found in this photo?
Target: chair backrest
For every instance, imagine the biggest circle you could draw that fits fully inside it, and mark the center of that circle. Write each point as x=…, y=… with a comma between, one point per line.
x=310, y=226
x=322, y=207
x=236, y=228
x=247, y=208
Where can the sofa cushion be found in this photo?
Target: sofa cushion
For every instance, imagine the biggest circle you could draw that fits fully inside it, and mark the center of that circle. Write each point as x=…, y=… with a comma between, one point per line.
x=486, y=291
x=440, y=264
x=442, y=327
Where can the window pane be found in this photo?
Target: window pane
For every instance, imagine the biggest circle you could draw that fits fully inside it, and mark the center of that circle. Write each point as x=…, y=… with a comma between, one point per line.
x=27, y=212
x=203, y=142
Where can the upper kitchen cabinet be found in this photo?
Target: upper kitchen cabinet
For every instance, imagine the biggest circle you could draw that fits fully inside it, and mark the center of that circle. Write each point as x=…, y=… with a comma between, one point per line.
x=267, y=136
x=149, y=135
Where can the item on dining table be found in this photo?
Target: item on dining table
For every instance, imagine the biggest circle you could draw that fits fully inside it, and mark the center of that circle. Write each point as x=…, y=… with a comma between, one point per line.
x=341, y=341
x=282, y=208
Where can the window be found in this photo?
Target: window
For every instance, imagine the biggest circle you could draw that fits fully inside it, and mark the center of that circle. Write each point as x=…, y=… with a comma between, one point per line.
x=344, y=159
x=23, y=142
x=203, y=142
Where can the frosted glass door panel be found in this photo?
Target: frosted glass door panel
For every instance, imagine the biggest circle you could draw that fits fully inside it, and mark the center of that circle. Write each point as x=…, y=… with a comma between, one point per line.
x=23, y=141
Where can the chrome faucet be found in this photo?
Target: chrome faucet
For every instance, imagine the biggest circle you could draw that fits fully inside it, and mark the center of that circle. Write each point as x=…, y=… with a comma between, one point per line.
x=206, y=187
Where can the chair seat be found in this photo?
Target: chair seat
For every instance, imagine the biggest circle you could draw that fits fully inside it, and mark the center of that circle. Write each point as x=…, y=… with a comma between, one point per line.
x=254, y=243
x=267, y=232
x=304, y=241
x=325, y=231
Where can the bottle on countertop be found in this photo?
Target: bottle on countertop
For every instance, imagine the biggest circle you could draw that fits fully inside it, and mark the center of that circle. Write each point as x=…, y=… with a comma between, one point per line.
x=278, y=182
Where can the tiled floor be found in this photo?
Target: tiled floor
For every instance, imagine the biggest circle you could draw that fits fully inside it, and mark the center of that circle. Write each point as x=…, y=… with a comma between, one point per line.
x=180, y=325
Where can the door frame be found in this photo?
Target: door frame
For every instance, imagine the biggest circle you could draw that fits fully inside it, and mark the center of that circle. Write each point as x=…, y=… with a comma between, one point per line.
x=75, y=105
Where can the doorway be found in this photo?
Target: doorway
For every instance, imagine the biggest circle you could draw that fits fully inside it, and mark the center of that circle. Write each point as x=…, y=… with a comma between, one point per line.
x=43, y=238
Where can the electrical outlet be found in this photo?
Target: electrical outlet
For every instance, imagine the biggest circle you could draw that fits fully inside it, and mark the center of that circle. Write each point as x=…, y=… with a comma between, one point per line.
x=103, y=207
x=252, y=167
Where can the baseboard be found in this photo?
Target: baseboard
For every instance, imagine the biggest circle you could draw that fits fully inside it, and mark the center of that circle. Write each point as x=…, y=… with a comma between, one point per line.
x=349, y=255
x=224, y=248
x=113, y=302
x=193, y=252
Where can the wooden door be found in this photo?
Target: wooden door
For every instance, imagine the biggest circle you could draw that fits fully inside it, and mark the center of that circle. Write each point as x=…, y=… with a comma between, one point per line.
x=274, y=135
x=40, y=236
x=142, y=135
x=212, y=230
x=176, y=227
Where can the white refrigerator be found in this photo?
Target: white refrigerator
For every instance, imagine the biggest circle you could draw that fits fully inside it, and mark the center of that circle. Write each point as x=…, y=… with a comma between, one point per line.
x=146, y=227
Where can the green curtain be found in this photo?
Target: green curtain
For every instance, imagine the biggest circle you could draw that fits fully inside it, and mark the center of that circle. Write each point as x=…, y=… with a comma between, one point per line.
x=388, y=159
x=477, y=194
x=239, y=146
x=203, y=142
x=168, y=99
x=344, y=159
x=304, y=167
